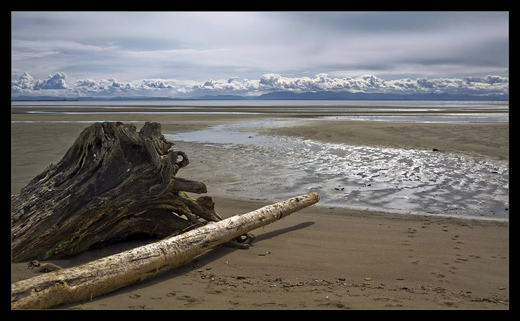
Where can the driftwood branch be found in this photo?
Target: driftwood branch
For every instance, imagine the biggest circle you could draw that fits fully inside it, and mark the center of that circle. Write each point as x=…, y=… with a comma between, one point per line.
x=186, y=185
x=110, y=273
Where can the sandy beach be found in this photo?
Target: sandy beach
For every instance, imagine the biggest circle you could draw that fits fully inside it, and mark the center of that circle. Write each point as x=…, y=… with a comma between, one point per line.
x=323, y=257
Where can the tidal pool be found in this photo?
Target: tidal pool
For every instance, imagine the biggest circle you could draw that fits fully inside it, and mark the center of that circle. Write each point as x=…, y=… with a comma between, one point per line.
x=235, y=160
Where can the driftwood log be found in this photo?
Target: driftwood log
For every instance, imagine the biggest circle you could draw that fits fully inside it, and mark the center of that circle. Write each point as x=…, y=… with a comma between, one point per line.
x=110, y=273
x=113, y=183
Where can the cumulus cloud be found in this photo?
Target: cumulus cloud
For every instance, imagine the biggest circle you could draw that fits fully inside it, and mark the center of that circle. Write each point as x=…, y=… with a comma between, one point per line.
x=374, y=84
x=27, y=83
x=114, y=87
x=253, y=87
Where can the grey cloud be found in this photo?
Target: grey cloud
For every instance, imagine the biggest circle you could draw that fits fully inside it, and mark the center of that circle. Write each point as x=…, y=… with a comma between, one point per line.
x=373, y=21
x=201, y=45
x=493, y=80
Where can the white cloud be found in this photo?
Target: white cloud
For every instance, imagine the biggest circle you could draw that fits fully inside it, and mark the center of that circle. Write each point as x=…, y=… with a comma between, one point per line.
x=113, y=87
x=374, y=84
x=56, y=85
x=27, y=83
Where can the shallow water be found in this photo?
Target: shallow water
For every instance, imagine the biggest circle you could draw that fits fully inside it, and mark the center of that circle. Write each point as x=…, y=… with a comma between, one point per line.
x=381, y=110
x=379, y=178
x=266, y=103
x=450, y=118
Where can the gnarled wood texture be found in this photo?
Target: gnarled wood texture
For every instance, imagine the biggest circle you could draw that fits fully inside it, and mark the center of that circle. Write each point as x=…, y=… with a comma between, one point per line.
x=113, y=182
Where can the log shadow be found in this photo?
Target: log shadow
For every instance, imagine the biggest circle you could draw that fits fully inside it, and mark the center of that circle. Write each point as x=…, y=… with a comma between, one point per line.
x=221, y=251
x=216, y=254
x=272, y=234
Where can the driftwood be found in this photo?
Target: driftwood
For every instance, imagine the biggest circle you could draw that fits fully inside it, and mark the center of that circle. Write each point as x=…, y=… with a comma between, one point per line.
x=113, y=183
x=110, y=273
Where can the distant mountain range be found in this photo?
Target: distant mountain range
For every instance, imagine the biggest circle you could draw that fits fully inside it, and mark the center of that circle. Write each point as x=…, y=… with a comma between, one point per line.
x=287, y=95
x=329, y=95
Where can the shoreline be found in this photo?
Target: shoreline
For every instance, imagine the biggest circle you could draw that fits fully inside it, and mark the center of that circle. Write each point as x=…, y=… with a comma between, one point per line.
x=323, y=257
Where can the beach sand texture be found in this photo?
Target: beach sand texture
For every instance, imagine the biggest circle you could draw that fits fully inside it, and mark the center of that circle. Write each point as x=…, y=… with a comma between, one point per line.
x=323, y=257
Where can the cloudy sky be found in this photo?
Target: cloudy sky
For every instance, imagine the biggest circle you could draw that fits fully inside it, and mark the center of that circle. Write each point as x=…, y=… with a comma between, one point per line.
x=184, y=54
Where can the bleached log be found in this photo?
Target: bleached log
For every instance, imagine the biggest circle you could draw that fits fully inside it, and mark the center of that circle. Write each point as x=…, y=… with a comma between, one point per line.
x=113, y=272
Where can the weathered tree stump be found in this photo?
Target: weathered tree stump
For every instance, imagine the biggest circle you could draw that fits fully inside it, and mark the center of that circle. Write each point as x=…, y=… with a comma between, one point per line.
x=113, y=183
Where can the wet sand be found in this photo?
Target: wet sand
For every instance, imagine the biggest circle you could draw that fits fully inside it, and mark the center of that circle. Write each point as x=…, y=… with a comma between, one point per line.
x=321, y=257
x=489, y=139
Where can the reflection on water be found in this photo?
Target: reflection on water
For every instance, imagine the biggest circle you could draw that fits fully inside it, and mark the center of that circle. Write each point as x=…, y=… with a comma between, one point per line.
x=450, y=118
x=389, y=179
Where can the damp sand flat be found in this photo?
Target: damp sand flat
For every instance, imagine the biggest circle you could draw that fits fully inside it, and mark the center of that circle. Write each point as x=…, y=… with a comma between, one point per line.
x=326, y=257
